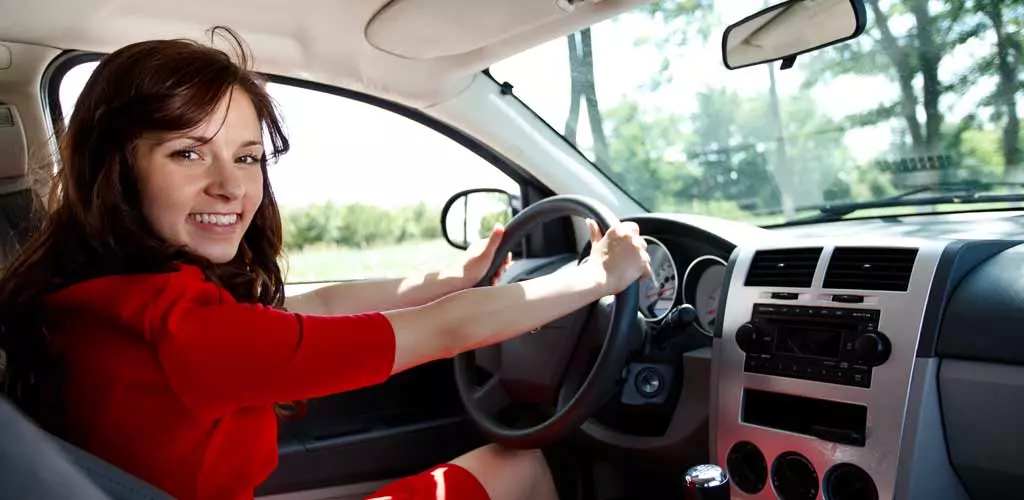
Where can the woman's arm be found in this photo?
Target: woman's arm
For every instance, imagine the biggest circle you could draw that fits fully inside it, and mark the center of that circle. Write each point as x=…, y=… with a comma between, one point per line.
x=473, y=318
x=389, y=294
x=355, y=297
x=477, y=317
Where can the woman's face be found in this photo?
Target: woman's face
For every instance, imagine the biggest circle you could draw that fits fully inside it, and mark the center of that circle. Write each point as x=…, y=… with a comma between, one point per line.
x=201, y=188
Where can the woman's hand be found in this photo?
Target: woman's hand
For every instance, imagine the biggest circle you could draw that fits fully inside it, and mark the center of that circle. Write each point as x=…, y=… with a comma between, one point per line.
x=620, y=256
x=481, y=254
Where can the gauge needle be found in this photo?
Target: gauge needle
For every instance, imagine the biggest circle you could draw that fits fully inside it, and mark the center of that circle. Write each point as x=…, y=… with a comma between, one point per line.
x=658, y=292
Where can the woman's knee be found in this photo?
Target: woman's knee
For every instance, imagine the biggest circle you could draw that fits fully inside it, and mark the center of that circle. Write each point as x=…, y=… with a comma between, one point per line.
x=509, y=474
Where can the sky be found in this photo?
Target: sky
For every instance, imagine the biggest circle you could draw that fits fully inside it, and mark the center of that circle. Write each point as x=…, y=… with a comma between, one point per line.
x=346, y=151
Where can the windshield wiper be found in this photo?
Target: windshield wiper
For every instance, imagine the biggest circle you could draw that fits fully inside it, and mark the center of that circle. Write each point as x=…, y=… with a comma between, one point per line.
x=953, y=192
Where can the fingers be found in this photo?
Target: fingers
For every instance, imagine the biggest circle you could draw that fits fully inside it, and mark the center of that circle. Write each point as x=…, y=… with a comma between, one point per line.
x=630, y=232
x=501, y=269
x=496, y=234
x=648, y=272
x=595, y=231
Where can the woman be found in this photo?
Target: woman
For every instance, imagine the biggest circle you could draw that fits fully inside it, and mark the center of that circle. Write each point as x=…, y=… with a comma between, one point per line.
x=147, y=321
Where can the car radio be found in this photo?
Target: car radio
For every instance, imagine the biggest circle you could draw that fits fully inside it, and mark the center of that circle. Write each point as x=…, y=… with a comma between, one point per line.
x=824, y=344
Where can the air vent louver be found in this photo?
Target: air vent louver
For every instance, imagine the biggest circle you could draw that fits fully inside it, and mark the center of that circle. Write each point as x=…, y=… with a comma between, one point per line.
x=870, y=268
x=789, y=267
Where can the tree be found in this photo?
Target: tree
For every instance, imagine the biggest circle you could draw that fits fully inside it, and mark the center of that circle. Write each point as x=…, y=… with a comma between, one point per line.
x=1004, y=20
x=725, y=151
x=645, y=152
x=907, y=42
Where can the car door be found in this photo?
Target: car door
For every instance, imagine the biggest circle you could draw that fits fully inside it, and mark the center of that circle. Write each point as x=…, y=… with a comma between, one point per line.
x=361, y=193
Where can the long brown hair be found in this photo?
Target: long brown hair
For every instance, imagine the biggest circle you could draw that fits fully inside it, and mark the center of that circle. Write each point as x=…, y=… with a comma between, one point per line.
x=96, y=226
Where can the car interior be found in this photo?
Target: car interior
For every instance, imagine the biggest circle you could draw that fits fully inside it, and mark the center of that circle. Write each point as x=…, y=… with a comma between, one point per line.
x=819, y=325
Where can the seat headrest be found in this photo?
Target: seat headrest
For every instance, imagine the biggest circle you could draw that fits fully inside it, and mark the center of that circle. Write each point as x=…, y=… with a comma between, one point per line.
x=13, y=147
x=13, y=151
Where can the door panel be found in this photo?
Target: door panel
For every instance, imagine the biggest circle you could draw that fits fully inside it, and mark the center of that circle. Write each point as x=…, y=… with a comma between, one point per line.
x=405, y=425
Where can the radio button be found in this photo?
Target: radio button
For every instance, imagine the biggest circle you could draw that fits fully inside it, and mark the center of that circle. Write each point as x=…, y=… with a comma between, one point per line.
x=848, y=299
x=861, y=378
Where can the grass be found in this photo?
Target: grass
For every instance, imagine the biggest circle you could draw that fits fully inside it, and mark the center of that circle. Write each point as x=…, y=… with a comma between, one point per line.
x=386, y=261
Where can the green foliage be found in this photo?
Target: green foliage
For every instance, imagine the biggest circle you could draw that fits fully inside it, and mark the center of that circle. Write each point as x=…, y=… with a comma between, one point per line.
x=358, y=225
x=756, y=156
x=488, y=221
x=646, y=154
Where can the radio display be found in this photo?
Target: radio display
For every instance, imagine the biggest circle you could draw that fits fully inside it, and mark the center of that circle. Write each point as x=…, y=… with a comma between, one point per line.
x=823, y=342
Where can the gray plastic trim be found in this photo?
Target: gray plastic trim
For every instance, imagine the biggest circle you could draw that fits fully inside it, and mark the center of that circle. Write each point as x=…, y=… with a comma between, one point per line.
x=924, y=470
x=982, y=408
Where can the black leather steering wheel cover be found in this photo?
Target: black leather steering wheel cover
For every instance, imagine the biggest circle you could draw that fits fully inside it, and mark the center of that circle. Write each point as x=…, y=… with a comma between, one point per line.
x=607, y=369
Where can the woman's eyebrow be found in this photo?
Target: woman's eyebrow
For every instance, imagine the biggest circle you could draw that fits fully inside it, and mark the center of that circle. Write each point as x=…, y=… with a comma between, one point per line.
x=204, y=140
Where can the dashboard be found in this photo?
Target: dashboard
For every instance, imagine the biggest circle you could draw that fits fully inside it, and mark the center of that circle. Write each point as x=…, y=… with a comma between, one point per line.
x=818, y=356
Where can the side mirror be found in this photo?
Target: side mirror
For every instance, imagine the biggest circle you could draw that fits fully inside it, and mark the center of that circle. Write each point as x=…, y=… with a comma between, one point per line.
x=791, y=28
x=469, y=215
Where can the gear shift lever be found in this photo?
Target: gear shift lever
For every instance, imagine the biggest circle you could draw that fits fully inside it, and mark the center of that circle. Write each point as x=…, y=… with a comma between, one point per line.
x=707, y=482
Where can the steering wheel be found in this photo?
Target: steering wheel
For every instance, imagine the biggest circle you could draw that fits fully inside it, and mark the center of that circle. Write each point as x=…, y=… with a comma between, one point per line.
x=548, y=366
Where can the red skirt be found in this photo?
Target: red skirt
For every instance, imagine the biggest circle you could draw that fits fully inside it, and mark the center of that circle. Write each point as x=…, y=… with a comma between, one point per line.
x=444, y=482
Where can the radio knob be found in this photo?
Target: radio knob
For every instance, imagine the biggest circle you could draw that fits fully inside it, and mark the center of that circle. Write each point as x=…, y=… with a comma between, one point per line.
x=872, y=348
x=745, y=336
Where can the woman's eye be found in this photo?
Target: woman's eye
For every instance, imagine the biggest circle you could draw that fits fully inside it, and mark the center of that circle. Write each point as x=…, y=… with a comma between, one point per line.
x=186, y=154
x=249, y=159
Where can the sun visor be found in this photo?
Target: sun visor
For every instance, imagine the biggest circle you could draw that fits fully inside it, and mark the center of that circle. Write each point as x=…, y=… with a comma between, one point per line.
x=426, y=29
x=13, y=148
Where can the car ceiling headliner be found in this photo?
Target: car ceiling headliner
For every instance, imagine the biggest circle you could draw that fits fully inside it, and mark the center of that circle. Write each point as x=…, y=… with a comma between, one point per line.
x=418, y=52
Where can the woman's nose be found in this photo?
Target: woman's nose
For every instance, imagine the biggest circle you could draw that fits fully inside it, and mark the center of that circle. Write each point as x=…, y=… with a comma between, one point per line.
x=225, y=181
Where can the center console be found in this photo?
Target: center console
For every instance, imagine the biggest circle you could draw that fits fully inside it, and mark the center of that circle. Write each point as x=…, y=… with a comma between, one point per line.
x=812, y=367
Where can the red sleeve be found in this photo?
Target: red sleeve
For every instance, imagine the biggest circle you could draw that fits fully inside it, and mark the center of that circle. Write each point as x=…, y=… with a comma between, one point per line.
x=220, y=355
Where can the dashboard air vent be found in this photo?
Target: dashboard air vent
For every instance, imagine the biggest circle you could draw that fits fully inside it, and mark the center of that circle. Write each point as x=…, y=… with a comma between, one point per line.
x=870, y=268
x=787, y=267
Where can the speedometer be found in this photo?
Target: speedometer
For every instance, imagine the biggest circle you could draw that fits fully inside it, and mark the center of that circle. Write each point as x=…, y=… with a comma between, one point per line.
x=702, y=287
x=658, y=292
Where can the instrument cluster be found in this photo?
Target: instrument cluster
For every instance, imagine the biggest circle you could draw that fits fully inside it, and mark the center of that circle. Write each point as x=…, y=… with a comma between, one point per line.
x=700, y=286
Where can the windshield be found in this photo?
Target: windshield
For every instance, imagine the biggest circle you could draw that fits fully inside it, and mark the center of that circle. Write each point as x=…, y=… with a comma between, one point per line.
x=930, y=95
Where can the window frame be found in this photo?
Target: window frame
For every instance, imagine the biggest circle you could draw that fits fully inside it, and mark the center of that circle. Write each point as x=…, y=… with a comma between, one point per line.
x=555, y=237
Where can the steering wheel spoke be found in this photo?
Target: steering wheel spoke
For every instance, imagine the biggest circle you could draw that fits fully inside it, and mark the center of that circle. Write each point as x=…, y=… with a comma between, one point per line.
x=587, y=348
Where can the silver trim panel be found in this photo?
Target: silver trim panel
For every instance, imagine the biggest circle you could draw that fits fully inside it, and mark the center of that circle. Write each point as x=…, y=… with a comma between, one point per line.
x=901, y=319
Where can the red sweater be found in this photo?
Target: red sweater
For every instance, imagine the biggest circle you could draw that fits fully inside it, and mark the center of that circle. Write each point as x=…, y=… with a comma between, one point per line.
x=172, y=380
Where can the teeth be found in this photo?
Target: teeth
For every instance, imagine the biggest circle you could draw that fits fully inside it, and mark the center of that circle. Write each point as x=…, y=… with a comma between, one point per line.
x=215, y=219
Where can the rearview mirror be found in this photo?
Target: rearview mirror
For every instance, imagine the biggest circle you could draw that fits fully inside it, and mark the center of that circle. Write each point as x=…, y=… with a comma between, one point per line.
x=789, y=29
x=469, y=216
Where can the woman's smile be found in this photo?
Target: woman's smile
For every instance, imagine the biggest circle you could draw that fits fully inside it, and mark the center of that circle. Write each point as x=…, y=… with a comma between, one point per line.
x=217, y=223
